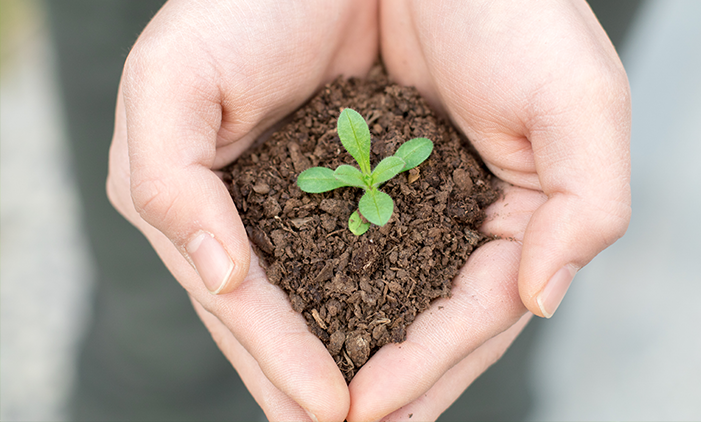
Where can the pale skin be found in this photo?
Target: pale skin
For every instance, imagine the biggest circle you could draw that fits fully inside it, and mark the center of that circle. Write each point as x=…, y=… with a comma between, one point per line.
x=537, y=87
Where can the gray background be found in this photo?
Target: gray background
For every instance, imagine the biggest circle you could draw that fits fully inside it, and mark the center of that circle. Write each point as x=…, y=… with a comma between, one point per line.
x=624, y=344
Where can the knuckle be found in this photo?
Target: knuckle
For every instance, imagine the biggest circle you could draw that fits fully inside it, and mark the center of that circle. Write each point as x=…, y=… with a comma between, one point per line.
x=618, y=221
x=611, y=222
x=135, y=66
x=144, y=65
x=152, y=199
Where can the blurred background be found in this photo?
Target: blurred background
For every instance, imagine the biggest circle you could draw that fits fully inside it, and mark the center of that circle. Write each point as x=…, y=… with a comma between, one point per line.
x=624, y=345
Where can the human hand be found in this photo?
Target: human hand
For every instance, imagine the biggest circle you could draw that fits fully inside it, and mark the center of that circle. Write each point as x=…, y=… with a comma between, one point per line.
x=542, y=95
x=204, y=80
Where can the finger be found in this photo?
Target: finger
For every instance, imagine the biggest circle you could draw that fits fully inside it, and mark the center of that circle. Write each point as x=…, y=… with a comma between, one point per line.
x=452, y=384
x=276, y=404
x=172, y=184
x=484, y=303
x=583, y=162
x=581, y=149
x=508, y=217
x=259, y=315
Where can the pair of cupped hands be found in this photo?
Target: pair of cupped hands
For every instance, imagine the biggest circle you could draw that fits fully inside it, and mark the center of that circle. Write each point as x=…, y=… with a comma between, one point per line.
x=536, y=86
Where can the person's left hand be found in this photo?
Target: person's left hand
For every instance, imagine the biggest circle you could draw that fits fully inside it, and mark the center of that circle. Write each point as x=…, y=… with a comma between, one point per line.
x=541, y=94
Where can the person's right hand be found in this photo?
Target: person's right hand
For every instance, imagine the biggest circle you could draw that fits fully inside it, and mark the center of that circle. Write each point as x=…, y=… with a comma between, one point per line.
x=203, y=81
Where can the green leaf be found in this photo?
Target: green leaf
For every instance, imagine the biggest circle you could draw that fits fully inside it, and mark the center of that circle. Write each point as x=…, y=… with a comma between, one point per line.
x=350, y=176
x=387, y=169
x=356, y=224
x=414, y=152
x=355, y=137
x=376, y=207
x=317, y=180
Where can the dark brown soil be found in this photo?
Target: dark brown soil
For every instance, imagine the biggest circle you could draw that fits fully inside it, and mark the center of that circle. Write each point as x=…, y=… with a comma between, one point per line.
x=360, y=293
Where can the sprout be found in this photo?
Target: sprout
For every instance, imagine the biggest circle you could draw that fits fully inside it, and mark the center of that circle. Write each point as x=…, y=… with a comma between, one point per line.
x=374, y=206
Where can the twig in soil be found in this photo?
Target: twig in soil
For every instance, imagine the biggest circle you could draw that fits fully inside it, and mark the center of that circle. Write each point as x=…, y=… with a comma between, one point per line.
x=317, y=318
x=283, y=226
x=381, y=321
x=334, y=233
x=374, y=116
x=348, y=359
x=411, y=289
x=277, y=177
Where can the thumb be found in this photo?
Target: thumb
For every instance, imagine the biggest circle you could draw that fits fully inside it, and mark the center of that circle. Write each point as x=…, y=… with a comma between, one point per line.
x=583, y=164
x=172, y=133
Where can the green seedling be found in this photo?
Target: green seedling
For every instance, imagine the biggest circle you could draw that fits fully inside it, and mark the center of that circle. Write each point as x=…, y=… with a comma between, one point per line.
x=375, y=206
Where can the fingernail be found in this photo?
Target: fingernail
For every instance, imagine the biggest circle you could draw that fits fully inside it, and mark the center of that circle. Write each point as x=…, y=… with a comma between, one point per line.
x=311, y=415
x=211, y=261
x=553, y=293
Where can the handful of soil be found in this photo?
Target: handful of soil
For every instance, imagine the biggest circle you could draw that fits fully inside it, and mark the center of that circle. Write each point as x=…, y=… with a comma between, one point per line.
x=359, y=293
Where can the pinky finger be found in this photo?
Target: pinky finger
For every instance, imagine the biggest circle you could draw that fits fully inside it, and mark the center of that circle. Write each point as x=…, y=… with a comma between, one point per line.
x=455, y=381
x=276, y=405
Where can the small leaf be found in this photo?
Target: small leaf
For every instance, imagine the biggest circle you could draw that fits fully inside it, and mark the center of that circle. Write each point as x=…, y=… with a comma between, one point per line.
x=387, y=169
x=317, y=180
x=355, y=137
x=356, y=224
x=414, y=152
x=376, y=207
x=350, y=176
